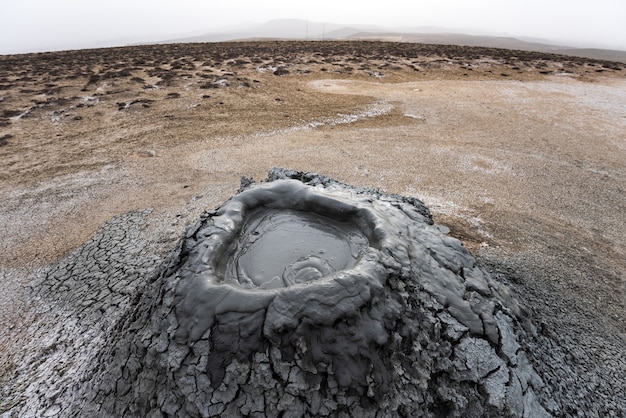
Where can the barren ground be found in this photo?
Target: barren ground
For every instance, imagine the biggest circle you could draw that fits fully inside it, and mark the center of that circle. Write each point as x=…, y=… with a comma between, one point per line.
x=522, y=155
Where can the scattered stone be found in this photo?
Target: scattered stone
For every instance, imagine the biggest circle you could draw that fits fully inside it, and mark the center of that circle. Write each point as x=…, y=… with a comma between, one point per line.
x=4, y=139
x=146, y=153
x=144, y=103
x=281, y=71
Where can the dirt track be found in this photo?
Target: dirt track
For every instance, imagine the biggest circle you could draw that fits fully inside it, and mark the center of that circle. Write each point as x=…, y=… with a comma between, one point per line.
x=521, y=155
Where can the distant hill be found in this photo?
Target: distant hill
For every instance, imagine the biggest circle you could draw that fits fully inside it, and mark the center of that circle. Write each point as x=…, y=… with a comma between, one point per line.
x=493, y=42
x=600, y=54
x=302, y=29
x=460, y=39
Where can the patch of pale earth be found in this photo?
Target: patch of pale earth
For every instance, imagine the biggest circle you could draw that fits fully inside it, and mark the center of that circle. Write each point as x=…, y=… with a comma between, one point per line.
x=25, y=209
x=375, y=110
x=441, y=206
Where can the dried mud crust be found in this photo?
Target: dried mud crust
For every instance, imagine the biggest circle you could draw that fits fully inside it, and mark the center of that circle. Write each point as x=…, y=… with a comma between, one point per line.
x=418, y=329
x=118, y=350
x=73, y=307
x=550, y=227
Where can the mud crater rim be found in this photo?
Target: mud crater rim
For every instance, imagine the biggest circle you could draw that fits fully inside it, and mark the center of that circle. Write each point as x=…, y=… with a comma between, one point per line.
x=285, y=234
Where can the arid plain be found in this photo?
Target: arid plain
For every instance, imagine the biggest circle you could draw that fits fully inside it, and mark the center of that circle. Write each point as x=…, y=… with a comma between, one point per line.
x=521, y=155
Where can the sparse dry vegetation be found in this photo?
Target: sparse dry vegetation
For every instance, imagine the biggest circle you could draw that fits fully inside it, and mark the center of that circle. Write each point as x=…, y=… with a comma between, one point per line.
x=521, y=154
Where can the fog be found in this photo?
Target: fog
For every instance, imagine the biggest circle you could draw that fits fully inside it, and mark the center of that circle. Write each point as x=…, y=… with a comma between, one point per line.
x=42, y=25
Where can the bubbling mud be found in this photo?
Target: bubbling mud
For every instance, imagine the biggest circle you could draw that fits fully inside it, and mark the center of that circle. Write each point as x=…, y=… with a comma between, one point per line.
x=281, y=248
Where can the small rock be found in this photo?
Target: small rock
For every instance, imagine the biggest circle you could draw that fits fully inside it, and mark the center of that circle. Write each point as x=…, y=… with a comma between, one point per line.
x=146, y=153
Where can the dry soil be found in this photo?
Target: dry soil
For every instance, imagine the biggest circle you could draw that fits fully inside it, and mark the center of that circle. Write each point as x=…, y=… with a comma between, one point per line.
x=522, y=155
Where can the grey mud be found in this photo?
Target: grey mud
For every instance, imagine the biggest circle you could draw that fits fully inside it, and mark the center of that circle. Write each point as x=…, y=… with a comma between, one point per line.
x=303, y=296
x=280, y=248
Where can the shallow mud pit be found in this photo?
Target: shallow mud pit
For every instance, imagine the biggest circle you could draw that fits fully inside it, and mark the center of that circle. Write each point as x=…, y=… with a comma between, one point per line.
x=364, y=308
x=281, y=248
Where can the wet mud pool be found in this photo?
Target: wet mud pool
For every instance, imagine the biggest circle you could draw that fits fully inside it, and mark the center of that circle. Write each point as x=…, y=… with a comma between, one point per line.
x=284, y=248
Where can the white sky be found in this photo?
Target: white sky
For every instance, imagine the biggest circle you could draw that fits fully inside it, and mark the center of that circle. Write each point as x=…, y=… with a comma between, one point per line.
x=39, y=25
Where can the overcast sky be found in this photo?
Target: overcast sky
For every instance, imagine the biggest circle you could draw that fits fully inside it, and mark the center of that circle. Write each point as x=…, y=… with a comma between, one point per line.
x=41, y=25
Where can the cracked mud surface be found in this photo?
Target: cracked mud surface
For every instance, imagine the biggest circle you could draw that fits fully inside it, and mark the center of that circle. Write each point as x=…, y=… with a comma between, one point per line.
x=416, y=327
x=522, y=158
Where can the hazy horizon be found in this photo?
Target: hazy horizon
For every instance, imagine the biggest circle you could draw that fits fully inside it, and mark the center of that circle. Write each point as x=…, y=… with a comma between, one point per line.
x=46, y=25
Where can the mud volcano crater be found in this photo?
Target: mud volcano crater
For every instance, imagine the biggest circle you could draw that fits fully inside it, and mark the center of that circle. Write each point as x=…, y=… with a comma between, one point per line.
x=281, y=248
x=285, y=237
x=304, y=296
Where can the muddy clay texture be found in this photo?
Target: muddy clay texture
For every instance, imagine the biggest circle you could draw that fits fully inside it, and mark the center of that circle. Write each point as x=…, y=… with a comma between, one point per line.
x=521, y=155
x=413, y=328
